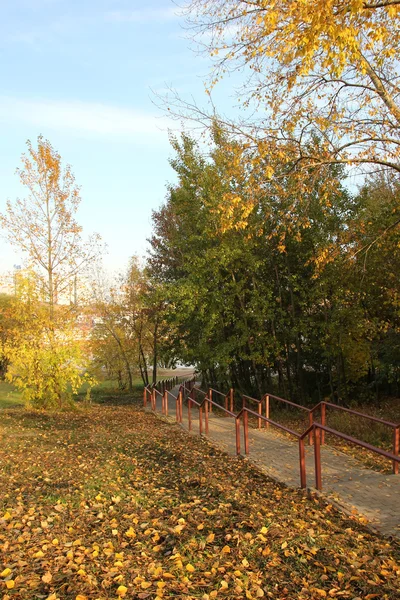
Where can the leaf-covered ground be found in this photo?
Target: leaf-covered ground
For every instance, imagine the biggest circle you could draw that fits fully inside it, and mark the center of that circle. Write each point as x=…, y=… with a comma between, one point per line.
x=114, y=503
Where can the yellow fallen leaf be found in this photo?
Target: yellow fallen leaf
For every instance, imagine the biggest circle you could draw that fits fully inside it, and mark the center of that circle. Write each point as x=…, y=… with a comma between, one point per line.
x=145, y=584
x=5, y=573
x=245, y=562
x=47, y=577
x=264, y=530
x=10, y=584
x=81, y=597
x=189, y=568
x=121, y=591
x=284, y=545
x=7, y=516
x=211, y=538
x=226, y=549
x=130, y=533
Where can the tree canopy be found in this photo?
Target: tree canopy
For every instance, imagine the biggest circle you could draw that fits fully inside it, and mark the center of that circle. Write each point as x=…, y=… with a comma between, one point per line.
x=325, y=67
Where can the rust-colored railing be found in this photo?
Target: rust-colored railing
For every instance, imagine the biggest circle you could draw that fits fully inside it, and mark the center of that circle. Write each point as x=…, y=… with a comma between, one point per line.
x=266, y=399
x=395, y=427
x=228, y=398
x=244, y=414
x=318, y=428
x=315, y=431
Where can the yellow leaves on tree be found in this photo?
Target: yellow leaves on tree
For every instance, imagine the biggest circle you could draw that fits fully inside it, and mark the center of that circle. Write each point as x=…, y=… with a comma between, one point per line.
x=45, y=353
x=43, y=224
x=325, y=67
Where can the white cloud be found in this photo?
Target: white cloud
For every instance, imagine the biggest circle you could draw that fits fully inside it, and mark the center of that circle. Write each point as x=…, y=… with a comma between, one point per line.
x=86, y=118
x=143, y=15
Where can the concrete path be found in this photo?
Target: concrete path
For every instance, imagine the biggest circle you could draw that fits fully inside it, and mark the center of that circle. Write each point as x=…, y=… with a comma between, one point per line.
x=345, y=480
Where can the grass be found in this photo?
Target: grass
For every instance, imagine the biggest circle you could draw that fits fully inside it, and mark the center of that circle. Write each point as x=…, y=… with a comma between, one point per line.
x=106, y=392
x=9, y=396
x=111, y=502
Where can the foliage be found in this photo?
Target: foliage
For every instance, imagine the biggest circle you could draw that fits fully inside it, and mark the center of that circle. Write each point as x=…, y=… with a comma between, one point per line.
x=44, y=353
x=272, y=292
x=140, y=510
x=43, y=225
x=317, y=66
x=5, y=324
x=127, y=328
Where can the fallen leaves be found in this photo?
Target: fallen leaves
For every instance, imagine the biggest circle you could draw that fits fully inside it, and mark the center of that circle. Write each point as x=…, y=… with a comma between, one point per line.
x=47, y=577
x=153, y=513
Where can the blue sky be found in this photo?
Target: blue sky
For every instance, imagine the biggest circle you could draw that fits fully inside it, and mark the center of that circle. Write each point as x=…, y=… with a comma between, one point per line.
x=80, y=72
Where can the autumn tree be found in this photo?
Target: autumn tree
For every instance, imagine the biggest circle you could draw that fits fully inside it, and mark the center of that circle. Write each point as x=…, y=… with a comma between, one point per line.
x=43, y=225
x=128, y=327
x=46, y=354
x=322, y=67
x=254, y=302
x=5, y=330
x=45, y=350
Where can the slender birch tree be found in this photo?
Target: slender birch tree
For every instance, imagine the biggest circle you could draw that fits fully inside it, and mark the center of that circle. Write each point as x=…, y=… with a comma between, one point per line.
x=43, y=225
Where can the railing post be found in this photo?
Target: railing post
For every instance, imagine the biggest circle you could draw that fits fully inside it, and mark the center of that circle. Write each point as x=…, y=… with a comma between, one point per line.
x=166, y=403
x=317, y=456
x=396, y=448
x=323, y=422
x=231, y=392
x=144, y=397
x=206, y=411
x=226, y=402
x=210, y=396
x=153, y=399
x=180, y=407
x=267, y=411
x=200, y=420
x=237, y=429
x=246, y=431
x=310, y=422
x=303, y=480
x=189, y=414
x=259, y=410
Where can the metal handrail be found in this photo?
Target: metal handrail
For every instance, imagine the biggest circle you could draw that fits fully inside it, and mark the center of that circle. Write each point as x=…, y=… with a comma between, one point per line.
x=318, y=428
x=266, y=398
x=316, y=431
x=300, y=406
x=300, y=437
x=394, y=426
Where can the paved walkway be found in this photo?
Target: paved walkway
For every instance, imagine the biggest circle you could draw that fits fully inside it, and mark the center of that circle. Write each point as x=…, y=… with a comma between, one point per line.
x=345, y=480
